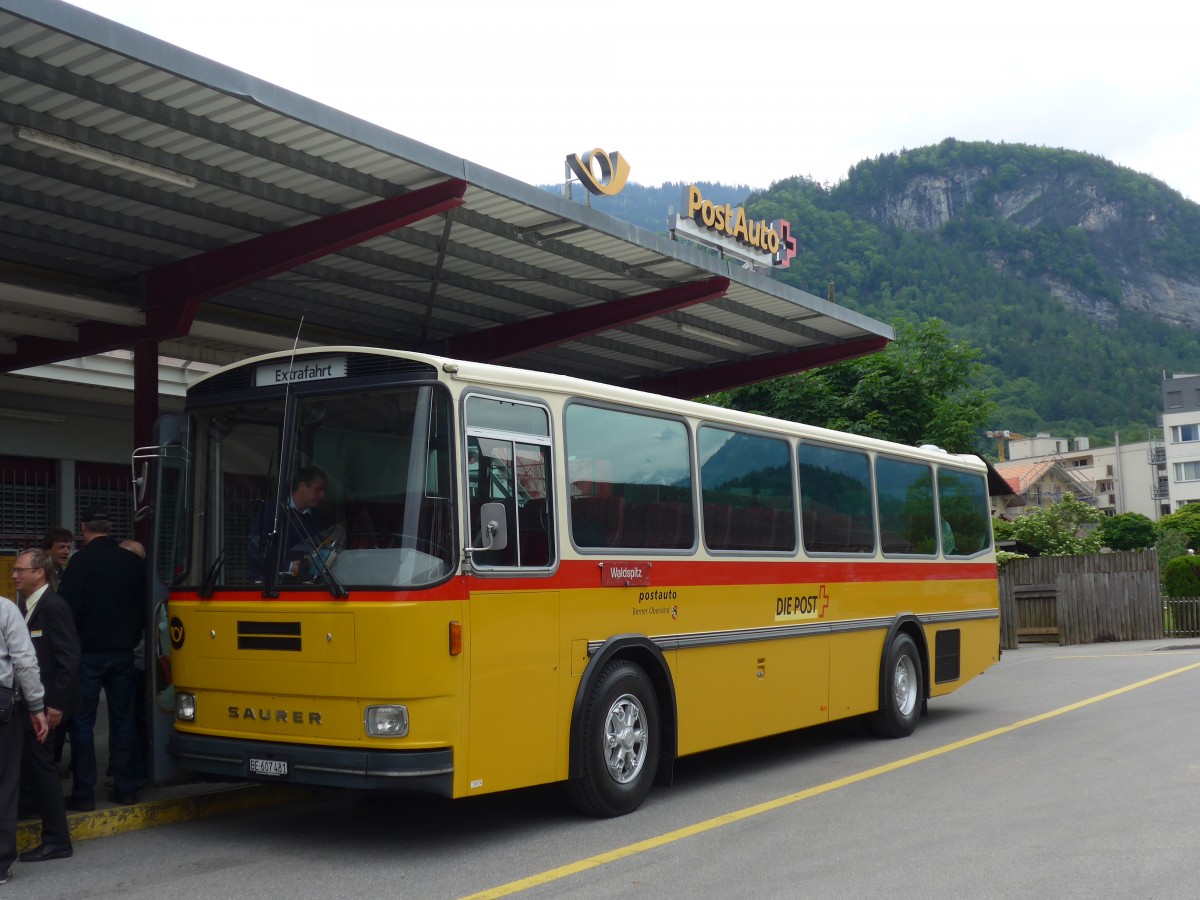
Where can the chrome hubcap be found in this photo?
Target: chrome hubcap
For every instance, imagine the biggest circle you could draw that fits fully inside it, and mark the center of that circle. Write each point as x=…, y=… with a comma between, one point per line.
x=904, y=686
x=625, y=739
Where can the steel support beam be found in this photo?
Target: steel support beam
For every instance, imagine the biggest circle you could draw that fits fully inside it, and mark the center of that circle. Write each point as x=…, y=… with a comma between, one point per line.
x=507, y=341
x=172, y=294
x=723, y=378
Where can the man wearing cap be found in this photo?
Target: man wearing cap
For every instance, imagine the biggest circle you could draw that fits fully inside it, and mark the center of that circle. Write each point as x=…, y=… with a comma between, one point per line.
x=105, y=587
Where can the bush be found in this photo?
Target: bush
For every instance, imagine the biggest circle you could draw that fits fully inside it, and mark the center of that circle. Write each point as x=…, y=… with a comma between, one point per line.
x=1181, y=577
x=1007, y=556
x=1002, y=529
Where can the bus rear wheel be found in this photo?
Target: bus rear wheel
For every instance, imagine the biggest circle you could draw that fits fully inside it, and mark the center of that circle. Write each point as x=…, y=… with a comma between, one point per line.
x=902, y=689
x=619, y=744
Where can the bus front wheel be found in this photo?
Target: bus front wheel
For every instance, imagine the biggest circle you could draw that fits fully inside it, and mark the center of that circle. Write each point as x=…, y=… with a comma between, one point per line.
x=901, y=690
x=620, y=742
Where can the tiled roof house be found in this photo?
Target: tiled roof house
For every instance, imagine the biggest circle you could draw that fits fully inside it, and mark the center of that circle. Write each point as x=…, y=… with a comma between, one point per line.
x=1039, y=482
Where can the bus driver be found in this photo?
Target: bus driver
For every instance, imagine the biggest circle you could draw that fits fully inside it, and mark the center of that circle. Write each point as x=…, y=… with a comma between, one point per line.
x=303, y=522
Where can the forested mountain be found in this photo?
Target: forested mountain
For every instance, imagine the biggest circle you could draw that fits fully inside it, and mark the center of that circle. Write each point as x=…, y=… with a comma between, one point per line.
x=1079, y=279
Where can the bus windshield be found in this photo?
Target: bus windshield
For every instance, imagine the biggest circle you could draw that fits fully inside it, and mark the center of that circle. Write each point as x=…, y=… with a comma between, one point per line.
x=331, y=491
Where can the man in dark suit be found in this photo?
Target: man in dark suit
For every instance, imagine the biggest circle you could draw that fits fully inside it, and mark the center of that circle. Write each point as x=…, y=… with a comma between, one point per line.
x=52, y=629
x=58, y=544
x=105, y=587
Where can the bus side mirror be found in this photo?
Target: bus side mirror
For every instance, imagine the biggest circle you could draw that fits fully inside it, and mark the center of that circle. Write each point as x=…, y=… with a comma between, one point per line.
x=493, y=528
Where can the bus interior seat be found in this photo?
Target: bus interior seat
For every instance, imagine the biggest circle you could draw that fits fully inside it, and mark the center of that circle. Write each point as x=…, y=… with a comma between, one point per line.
x=598, y=521
x=535, y=533
x=753, y=528
x=717, y=519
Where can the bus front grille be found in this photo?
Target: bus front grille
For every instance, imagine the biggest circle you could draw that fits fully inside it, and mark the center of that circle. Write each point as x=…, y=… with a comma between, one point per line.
x=268, y=636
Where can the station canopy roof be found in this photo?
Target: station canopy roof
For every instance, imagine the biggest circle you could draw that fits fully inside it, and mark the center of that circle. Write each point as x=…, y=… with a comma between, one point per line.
x=148, y=194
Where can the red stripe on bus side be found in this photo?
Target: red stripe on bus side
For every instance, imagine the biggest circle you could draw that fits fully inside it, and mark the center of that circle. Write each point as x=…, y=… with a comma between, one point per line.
x=581, y=574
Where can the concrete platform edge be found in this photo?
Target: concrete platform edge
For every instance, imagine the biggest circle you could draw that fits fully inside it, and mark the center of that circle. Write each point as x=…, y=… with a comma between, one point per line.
x=111, y=820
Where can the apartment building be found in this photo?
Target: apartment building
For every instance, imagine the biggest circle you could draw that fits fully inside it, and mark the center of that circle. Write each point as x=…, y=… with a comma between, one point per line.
x=1181, y=439
x=1119, y=479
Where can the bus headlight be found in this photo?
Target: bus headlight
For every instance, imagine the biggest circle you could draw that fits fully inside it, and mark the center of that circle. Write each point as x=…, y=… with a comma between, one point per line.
x=387, y=721
x=185, y=707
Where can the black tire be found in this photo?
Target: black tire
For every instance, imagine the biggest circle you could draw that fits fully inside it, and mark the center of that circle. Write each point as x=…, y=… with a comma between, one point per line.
x=902, y=690
x=620, y=742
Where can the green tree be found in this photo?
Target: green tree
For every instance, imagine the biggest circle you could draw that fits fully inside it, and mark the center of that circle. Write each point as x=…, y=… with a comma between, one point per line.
x=1186, y=520
x=1128, y=531
x=1058, y=530
x=919, y=390
x=1002, y=530
x=1170, y=544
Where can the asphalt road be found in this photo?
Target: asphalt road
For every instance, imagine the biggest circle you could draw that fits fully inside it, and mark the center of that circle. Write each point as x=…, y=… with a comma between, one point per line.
x=1070, y=772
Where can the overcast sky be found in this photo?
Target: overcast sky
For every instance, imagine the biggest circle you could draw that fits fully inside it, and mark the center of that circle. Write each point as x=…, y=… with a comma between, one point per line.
x=741, y=93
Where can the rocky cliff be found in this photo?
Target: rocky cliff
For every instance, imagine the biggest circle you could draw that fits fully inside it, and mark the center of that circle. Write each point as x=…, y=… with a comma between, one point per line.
x=1129, y=237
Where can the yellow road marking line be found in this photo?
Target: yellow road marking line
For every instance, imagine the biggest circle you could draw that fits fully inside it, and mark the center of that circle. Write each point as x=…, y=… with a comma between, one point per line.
x=600, y=859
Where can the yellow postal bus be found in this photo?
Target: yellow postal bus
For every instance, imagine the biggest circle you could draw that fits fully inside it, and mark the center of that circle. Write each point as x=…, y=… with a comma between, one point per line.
x=397, y=571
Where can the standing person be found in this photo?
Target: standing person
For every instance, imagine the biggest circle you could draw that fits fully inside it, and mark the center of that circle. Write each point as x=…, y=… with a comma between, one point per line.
x=59, y=544
x=142, y=746
x=52, y=631
x=105, y=587
x=18, y=668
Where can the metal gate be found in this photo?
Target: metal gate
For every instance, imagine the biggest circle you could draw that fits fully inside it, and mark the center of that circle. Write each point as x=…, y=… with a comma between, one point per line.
x=28, y=502
x=30, y=499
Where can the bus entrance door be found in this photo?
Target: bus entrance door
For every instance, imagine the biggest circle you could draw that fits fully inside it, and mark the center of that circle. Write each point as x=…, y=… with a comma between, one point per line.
x=513, y=695
x=161, y=482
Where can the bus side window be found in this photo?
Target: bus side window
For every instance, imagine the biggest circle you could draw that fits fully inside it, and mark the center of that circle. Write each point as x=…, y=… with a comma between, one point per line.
x=963, y=506
x=836, y=499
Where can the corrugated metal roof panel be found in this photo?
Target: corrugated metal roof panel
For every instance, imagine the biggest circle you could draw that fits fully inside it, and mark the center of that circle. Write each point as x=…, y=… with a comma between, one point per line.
x=264, y=160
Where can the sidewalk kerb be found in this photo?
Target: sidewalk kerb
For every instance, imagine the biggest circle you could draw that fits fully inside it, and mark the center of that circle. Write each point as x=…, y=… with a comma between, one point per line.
x=110, y=820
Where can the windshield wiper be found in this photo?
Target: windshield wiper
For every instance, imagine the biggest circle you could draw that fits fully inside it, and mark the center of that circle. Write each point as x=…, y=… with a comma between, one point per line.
x=314, y=553
x=208, y=585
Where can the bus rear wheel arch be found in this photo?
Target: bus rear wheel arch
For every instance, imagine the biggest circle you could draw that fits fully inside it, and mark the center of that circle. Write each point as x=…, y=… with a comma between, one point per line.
x=901, y=688
x=620, y=742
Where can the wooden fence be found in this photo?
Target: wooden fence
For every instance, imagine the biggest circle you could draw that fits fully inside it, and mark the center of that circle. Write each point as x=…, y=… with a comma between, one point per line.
x=1082, y=599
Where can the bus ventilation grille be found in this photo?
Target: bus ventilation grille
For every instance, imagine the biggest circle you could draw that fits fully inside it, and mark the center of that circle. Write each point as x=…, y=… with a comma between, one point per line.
x=268, y=636
x=947, y=655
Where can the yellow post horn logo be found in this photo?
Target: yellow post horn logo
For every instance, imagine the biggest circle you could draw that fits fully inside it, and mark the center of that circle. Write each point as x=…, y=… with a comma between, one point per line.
x=614, y=171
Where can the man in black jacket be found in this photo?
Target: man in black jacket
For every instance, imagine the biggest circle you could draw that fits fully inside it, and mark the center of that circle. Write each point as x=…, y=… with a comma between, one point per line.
x=52, y=629
x=105, y=587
